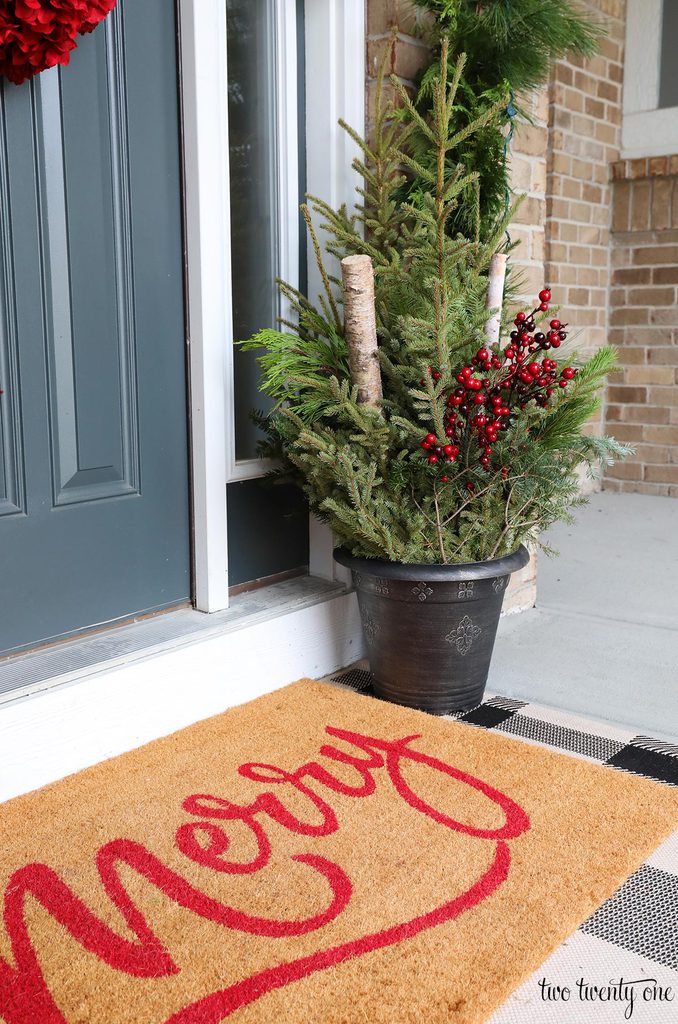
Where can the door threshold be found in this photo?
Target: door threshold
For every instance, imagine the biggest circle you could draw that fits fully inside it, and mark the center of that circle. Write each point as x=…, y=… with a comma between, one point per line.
x=33, y=672
x=96, y=629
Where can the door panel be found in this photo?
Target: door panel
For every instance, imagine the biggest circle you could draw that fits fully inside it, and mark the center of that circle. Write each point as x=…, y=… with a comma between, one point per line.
x=93, y=484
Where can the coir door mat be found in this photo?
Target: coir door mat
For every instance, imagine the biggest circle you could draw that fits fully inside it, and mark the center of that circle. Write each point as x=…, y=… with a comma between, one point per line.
x=313, y=856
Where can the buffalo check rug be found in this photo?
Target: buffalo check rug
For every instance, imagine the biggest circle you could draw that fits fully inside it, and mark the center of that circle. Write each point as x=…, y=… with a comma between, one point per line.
x=320, y=857
x=620, y=963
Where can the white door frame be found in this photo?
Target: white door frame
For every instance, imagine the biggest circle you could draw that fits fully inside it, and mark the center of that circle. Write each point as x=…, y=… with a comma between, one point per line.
x=202, y=26
x=335, y=37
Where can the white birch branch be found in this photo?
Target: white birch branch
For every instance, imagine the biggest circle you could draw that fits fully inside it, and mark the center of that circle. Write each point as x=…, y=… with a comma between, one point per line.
x=360, y=328
x=495, y=295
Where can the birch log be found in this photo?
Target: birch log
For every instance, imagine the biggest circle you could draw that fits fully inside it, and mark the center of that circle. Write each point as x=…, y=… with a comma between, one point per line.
x=495, y=295
x=360, y=328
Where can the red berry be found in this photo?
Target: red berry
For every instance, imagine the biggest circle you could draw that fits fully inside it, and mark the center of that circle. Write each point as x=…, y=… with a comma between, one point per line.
x=535, y=369
x=505, y=411
x=444, y=479
x=479, y=399
x=466, y=372
x=482, y=354
x=544, y=295
x=487, y=450
x=435, y=375
x=475, y=384
x=448, y=449
x=432, y=459
x=496, y=362
x=431, y=438
x=567, y=373
x=524, y=337
x=543, y=306
x=449, y=431
x=520, y=317
x=422, y=381
x=563, y=384
x=555, y=325
x=556, y=342
x=457, y=399
x=504, y=471
x=461, y=378
x=469, y=486
x=481, y=420
x=425, y=444
x=484, y=461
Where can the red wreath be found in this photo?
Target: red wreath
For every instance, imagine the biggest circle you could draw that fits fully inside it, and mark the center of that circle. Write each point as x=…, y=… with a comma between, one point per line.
x=37, y=34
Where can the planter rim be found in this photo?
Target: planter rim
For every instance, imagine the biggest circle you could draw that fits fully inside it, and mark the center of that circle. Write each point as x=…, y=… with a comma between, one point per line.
x=443, y=573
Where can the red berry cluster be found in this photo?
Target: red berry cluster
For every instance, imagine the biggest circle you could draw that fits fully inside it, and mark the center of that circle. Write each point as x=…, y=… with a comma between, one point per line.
x=483, y=406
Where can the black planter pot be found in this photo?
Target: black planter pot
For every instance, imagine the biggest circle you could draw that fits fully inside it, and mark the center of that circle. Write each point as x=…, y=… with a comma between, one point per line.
x=430, y=629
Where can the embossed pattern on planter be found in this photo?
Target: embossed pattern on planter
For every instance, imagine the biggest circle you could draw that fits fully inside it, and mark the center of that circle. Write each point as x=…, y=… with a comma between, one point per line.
x=371, y=629
x=463, y=636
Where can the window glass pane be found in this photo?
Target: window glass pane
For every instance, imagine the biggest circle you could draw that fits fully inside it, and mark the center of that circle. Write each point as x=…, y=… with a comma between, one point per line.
x=254, y=207
x=668, y=74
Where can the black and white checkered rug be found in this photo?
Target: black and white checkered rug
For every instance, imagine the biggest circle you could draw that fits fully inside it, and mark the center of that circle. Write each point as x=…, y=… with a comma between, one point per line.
x=621, y=964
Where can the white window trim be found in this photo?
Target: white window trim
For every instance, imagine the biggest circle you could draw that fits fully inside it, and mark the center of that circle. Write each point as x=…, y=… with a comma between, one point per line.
x=646, y=130
x=335, y=87
x=83, y=719
x=286, y=195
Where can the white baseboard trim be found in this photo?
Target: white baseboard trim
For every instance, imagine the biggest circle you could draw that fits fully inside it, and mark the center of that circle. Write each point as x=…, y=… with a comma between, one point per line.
x=63, y=730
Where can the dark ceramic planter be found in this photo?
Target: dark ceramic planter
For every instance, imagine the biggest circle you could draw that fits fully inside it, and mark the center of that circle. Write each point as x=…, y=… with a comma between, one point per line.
x=430, y=629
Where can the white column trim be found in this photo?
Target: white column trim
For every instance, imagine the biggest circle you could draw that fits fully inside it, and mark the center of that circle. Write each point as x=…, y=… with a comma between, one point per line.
x=335, y=87
x=642, y=55
x=204, y=83
x=646, y=130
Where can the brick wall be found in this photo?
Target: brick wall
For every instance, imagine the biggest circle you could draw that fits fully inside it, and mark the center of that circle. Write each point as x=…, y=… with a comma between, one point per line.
x=408, y=55
x=583, y=141
x=643, y=399
x=528, y=156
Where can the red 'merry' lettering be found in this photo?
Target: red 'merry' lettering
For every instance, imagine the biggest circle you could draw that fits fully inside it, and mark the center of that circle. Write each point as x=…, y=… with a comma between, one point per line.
x=24, y=996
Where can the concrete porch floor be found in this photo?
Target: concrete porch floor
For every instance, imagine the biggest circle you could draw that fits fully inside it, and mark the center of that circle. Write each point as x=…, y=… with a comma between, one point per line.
x=603, y=639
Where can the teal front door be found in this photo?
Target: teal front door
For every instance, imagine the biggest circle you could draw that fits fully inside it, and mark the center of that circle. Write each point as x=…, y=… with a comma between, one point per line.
x=94, y=507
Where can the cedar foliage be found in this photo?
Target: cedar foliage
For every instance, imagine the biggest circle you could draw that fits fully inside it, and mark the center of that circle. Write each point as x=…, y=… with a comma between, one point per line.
x=362, y=469
x=510, y=47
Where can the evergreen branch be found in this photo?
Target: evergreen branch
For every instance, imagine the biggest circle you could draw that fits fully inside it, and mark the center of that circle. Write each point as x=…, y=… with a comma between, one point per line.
x=321, y=264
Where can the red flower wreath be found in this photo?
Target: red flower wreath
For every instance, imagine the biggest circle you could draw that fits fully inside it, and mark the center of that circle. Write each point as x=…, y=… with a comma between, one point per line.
x=37, y=34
